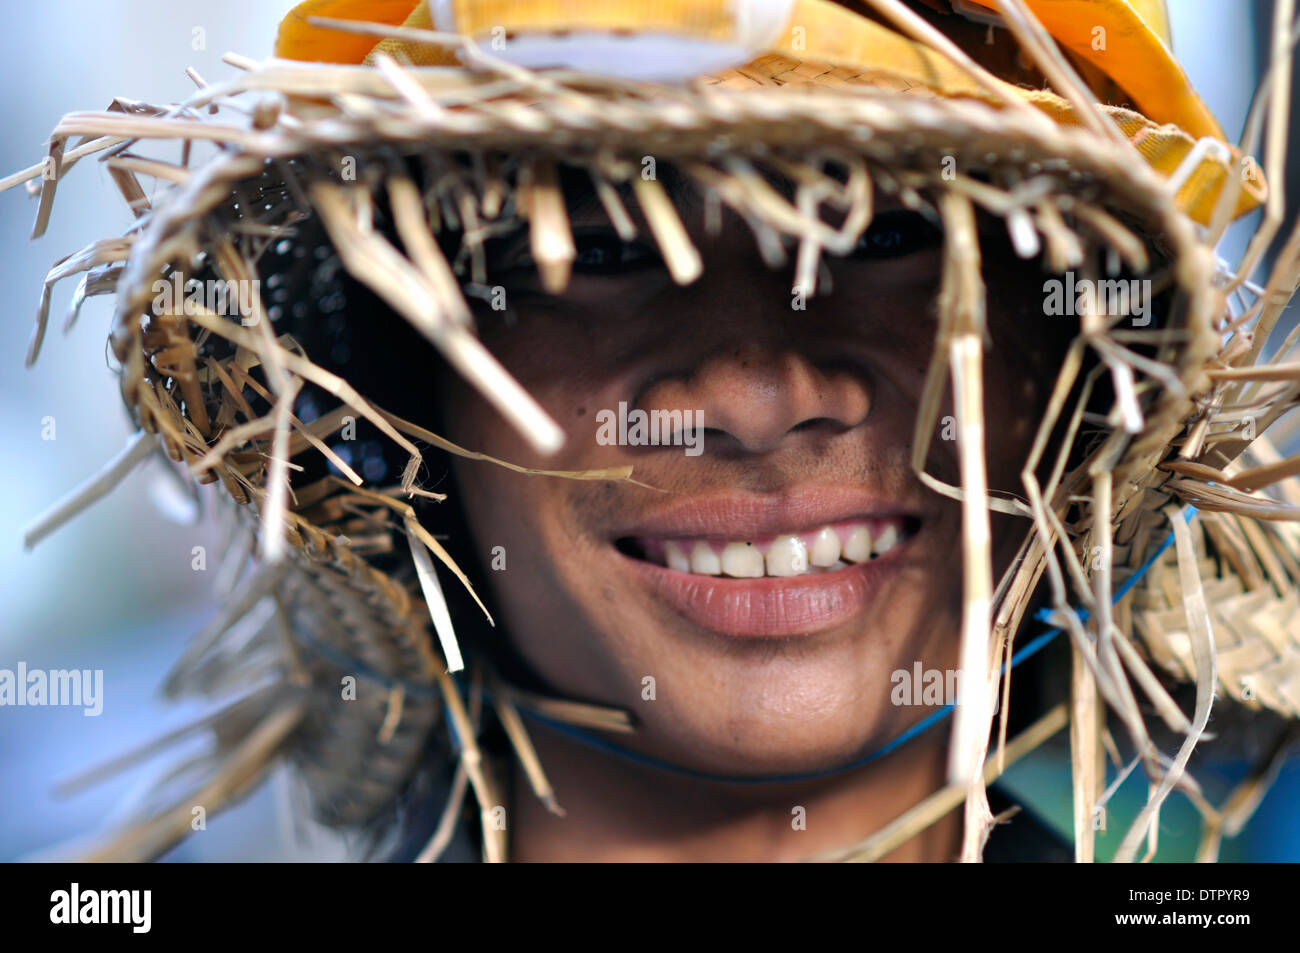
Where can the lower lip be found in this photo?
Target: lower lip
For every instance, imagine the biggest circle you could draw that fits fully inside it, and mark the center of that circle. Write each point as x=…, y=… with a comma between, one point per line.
x=770, y=607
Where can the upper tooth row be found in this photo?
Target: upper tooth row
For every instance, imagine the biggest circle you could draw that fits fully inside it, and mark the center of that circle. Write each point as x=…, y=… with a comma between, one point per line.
x=786, y=556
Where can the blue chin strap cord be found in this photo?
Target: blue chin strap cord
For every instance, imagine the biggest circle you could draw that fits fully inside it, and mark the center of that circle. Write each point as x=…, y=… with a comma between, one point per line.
x=636, y=757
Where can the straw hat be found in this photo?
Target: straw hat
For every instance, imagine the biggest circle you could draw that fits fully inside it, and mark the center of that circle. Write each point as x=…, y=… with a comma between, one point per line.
x=1071, y=122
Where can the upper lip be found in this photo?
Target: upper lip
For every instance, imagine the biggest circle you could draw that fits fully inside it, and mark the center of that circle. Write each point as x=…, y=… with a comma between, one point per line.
x=749, y=516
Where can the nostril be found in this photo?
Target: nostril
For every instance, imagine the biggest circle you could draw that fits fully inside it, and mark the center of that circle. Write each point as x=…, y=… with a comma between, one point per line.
x=758, y=394
x=812, y=422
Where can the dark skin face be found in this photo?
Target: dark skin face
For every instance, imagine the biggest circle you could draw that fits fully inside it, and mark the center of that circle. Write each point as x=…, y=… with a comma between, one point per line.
x=821, y=398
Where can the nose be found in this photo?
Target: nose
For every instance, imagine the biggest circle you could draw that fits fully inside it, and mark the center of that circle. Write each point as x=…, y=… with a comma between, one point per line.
x=758, y=394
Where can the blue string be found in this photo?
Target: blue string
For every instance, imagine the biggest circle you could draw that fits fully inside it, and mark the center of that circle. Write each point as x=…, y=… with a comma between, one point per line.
x=1045, y=615
x=1037, y=644
x=355, y=666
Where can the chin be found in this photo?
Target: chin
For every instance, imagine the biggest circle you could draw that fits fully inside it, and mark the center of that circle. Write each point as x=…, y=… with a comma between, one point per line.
x=794, y=723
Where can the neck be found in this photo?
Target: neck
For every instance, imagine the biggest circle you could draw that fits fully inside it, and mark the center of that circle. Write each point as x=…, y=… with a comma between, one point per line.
x=616, y=811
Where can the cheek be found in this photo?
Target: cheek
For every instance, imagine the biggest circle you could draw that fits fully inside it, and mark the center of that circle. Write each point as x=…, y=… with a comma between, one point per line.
x=1011, y=419
x=1019, y=376
x=528, y=515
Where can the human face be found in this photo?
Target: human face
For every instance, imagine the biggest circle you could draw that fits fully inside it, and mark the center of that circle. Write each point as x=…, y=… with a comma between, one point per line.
x=808, y=418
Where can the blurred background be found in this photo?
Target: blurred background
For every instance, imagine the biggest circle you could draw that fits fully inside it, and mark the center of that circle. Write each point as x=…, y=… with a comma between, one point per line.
x=115, y=589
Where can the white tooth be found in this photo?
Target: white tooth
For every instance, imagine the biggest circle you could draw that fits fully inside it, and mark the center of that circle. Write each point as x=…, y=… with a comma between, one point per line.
x=742, y=560
x=676, y=557
x=704, y=560
x=885, y=540
x=787, y=556
x=857, y=548
x=826, y=548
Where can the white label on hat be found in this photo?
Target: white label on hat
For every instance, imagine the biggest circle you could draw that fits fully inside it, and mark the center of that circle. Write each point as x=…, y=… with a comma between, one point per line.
x=654, y=57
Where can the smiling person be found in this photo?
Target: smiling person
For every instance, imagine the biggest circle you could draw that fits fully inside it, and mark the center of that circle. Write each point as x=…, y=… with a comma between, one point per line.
x=770, y=586
x=661, y=440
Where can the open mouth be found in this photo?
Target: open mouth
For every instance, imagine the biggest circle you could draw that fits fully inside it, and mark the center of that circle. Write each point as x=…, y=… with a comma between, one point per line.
x=824, y=549
x=811, y=559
